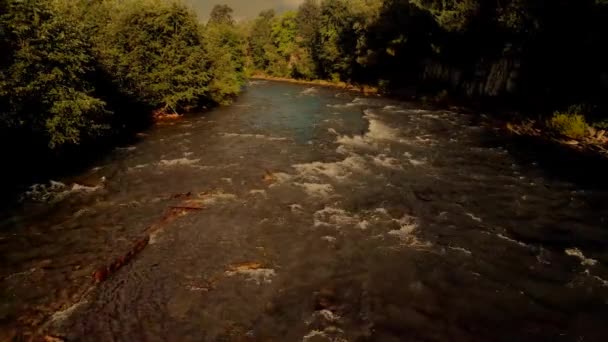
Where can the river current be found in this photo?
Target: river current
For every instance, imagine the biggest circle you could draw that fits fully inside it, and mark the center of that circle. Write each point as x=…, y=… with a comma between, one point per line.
x=305, y=213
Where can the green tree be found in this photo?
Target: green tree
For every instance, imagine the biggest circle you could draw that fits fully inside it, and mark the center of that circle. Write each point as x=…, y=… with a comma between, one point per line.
x=225, y=50
x=221, y=14
x=153, y=52
x=44, y=74
x=261, y=47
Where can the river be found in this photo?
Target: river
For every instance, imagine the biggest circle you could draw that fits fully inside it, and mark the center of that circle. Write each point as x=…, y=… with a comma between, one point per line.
x=309, y=214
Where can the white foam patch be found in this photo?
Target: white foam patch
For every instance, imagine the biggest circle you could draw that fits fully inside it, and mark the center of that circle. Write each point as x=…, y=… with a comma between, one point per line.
x=259, y=276
x=363, y=225
x=462, y=250
x=377, y=132
x=382, y=211
x=82, y=212
x=425, y=139
x=83, y=188
x=281, y=177
x=334, y=217
x=316, y=190
x=407, y=225
x=416, y=162
x=253, y=83
x=474, y=218
x=391, y=108
x=56, y=191
x=126, y=149
x=380, y=131
x=258, y=192
x=138, y=167
x=296, y=208
x=577, y=253
x=357, y=141
x=431, y=116
x=338, y=170
x=253, y=136
x=405, y=233
x=315, y=335
x=309, y=91
x=66, y=313
x=329, y=239
x=178, y=162
x=387, y=162
x=211, y=199
x=327, y=316
x=603, y=282
x=506, y=238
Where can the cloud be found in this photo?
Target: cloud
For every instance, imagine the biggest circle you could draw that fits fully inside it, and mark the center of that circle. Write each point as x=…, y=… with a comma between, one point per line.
x=242, y=8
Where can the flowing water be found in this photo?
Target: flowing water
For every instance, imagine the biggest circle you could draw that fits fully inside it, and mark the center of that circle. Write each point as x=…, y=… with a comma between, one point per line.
x=310, y=214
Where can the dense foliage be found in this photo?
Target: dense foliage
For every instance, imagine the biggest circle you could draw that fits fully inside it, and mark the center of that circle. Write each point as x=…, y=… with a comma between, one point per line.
x=73, y=71
x=546, y=53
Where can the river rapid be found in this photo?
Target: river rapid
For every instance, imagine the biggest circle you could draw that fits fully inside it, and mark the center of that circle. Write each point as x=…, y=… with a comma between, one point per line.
x=309, y=214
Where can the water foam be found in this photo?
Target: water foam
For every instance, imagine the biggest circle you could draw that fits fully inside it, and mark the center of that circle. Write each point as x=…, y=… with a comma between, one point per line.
x=407, y=225
x=575, y=252
x=460, y=249
x=316, y=190
x=56, y=191
x=296, y=208
x=340, y=170
x=377, y=132
x=178, y=162
x=506, y=238
x=309, y=91
x=334, y=217
x=387, y=162
x=215, y=198
x=258, y=193
x=474, y=218
x=258, y=275
x=329, y=239
x=252, y=136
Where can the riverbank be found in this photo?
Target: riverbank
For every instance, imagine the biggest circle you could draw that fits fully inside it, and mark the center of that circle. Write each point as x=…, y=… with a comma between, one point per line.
x=365, y=89
x=595, y=141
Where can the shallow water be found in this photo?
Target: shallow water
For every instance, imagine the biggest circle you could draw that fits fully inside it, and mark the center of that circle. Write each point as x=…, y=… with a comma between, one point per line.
x=325, y=217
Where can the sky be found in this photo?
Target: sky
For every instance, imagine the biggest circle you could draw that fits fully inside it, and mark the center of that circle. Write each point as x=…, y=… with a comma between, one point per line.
x=243, y=9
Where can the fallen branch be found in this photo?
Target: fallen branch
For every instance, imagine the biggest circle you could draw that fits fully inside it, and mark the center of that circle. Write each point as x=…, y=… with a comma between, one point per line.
x=106, y=271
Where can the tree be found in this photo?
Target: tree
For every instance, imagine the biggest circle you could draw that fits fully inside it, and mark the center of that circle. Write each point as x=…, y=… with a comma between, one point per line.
x=260, y=40
x=225, y=50
x=221, y=14
x=154, y=53
x=44, y=74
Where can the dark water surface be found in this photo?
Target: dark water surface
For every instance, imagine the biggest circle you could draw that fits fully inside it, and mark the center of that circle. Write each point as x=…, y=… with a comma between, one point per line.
x=327, y=217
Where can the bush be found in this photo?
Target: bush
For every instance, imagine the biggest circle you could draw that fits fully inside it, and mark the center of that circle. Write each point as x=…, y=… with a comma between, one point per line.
x=568, y=124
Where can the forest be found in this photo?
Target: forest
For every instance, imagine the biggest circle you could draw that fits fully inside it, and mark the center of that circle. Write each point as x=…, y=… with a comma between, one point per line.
x=539, y=57
x=77, y=73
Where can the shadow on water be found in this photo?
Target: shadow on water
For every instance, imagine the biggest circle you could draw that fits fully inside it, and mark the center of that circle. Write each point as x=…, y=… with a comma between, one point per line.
x=588, y=170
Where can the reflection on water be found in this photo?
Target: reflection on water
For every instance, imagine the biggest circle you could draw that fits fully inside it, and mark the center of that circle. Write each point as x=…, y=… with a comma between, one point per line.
x=325, y=217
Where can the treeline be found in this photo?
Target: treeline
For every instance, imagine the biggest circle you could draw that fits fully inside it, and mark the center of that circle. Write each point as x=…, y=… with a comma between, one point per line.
x=544, y=54
x=73, y=72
